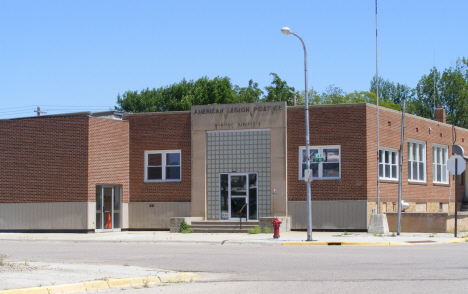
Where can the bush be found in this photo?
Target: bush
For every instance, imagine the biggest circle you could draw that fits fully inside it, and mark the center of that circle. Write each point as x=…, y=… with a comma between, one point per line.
x=185, y=228
x=267, y=230
x=255, y=230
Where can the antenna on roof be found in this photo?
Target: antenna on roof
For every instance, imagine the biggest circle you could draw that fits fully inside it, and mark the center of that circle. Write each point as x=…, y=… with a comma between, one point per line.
x=39, y=111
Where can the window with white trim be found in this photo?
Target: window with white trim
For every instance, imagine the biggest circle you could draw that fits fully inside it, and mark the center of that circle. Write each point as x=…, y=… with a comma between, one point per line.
x=439, y=164
x=416, y=161
x=162, y=166
x=330, y=168
x=388, y=164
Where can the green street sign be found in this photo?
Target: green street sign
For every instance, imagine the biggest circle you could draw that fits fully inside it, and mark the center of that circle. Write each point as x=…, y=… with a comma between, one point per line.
x=317, y=159
x=317, y=155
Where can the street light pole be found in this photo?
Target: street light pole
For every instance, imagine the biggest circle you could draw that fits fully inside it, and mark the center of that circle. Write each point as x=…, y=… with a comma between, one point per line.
x=286, y=31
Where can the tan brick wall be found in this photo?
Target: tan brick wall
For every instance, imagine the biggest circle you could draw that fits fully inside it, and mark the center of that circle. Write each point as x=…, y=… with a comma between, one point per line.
x=343, y=125
x=108, y=161
x=159, y=131
x=44, y=159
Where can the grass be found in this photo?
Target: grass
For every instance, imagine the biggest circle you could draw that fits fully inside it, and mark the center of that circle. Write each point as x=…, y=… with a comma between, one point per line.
x=145, y=283
x=102, y=279
x=255, y=230
x=185, y=228
x=126, y=264
x=2, y=258
x=267, y=230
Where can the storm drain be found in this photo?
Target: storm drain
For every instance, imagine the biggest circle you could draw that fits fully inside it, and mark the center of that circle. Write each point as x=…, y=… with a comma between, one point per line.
x=334, y=243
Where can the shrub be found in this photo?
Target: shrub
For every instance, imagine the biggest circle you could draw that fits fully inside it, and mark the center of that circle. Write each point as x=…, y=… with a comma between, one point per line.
x=185, y=228
x=255, y=230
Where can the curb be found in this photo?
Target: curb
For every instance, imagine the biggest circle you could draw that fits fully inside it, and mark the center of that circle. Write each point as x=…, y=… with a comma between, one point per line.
x=107, y=284
x=343, y=243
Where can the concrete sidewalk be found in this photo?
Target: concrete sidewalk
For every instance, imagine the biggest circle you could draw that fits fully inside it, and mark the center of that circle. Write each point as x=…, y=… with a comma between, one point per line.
x=286, y=238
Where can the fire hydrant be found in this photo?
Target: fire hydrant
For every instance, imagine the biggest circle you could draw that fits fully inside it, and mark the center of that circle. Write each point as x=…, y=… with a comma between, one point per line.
x=276, y=225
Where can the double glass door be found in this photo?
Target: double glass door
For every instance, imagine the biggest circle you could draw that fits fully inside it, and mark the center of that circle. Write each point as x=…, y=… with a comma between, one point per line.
x=108, y=200
x=238, y=196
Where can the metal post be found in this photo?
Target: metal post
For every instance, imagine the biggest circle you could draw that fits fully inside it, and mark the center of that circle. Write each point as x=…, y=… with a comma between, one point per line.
x=287, y=31
x=309, y=201
x=456, y=194
x=377, y=87
x=400, y=171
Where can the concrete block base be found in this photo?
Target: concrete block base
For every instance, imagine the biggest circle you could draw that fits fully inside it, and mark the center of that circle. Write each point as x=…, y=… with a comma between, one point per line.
x=176, y=221
x=378, y=224
x=266, y=222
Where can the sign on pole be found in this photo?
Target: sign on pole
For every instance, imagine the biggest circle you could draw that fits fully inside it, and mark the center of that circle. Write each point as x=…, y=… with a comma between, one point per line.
x=308, y=176
x=451, y=165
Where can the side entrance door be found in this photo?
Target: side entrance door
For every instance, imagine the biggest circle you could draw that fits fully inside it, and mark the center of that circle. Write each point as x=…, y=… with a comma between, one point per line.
x=108, y=200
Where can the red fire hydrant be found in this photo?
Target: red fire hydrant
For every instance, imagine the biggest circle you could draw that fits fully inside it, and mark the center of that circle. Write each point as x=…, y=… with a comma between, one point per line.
x=276, y=225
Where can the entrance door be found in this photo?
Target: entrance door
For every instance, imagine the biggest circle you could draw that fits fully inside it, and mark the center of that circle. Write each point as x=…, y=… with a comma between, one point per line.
x=108, y=208
x=238, y=196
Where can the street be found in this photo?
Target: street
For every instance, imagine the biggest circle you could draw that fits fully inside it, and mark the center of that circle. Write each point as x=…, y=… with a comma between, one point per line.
x=272, y=269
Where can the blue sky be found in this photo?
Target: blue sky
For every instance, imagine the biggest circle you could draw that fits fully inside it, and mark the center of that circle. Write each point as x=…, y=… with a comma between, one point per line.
x=67, y=56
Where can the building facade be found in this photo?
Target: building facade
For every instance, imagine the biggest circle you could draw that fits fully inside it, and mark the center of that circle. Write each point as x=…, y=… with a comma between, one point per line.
x=107, y=171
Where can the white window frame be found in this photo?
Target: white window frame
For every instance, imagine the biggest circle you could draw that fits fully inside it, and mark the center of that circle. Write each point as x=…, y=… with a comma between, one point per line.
x=382, y=161
x=418, y=161
x=439, y=149
x=320, y=164
x=163, y=165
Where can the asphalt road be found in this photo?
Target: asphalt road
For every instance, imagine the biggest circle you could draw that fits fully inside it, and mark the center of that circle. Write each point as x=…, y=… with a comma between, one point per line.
x=273, y=269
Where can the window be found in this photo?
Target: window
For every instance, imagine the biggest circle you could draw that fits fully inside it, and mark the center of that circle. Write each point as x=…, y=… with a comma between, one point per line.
x=328, y=169
x=388, y=164
x=162, y=166
x=439, y=164
x=416, y=161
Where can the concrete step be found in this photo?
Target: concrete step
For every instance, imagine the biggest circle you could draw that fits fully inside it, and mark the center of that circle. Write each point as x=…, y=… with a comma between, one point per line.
x=222, y=226
x=224, y=223
x=220, y=230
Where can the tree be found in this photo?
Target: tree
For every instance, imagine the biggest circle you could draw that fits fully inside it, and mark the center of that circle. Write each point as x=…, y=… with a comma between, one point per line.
x=180, y=96
x=279, y=91
x=389, y=91
x=450, y=91
x=249, y=94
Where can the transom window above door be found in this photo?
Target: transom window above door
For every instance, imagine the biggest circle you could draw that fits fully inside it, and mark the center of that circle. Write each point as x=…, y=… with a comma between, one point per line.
x=163, y=166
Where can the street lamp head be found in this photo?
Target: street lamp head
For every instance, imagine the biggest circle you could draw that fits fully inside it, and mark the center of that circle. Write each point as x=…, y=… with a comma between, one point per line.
x=286, y=31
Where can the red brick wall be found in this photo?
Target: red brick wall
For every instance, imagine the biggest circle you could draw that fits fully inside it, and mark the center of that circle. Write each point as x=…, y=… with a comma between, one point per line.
x=343, y=125
x=415, y=128
x=44, y=159
x=108, y=161
x=159, y=131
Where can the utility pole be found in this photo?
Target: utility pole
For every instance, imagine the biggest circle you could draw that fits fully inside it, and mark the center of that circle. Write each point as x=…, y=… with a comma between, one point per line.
x=39, y=111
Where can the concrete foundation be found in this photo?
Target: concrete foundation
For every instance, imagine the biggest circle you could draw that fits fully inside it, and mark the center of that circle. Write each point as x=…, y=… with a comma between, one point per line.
x=378, y=224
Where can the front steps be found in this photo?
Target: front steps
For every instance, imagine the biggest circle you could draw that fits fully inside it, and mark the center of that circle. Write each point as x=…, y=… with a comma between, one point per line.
x=222, y=226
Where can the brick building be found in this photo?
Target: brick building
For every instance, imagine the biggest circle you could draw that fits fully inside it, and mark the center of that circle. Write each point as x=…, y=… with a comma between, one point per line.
x=108, y=171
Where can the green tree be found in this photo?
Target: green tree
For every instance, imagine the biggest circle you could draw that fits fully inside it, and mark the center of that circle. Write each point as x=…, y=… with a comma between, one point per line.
x=249, y=94
x=389, y=91
x=180, y=96
x=279, y=91
x=450, y=91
